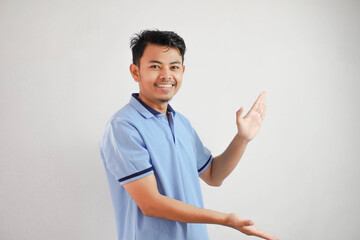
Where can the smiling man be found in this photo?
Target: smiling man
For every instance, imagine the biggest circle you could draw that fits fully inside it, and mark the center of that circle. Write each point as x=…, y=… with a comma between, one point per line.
x=154, y=158
x=159, y=73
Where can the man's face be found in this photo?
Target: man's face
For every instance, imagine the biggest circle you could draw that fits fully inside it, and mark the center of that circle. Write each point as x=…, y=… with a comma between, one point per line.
x=159, y=74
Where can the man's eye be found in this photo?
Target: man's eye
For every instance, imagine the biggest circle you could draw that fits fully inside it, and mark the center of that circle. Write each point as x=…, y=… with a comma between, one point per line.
x=154, y=66
x=175, y=67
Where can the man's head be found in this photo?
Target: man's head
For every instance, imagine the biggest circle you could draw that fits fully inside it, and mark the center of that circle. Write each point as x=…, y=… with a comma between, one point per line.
x=158, y=66
x=162, y=38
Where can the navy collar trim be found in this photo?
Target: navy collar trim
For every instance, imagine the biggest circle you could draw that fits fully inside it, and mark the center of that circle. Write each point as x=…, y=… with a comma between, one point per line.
x=153, y=111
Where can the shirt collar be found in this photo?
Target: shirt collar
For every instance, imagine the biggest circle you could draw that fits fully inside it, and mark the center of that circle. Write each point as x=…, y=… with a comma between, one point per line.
x=153, y=112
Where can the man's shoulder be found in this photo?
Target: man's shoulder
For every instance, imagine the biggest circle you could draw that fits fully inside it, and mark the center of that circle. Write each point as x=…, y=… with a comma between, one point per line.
x=125, y=114
x=127, y=111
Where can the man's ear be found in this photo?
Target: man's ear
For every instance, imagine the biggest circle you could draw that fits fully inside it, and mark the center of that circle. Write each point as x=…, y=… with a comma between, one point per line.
x=183, y=68
x=134, y=70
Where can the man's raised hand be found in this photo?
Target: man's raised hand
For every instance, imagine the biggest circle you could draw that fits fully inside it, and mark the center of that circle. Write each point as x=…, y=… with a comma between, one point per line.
x=249, y=125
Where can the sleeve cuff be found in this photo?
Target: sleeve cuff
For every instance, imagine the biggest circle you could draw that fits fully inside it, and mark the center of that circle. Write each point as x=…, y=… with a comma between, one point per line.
x=136, y=175
x=206, y=165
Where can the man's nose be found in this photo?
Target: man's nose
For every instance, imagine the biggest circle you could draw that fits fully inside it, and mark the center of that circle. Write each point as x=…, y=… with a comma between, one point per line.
x=165, y=74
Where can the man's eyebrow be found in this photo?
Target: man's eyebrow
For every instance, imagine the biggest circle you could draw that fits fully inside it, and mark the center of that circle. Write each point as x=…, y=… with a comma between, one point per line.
x=154, y=61
x=158, y=62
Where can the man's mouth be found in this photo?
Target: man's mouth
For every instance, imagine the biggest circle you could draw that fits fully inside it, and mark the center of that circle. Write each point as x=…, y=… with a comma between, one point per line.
x=164, y=85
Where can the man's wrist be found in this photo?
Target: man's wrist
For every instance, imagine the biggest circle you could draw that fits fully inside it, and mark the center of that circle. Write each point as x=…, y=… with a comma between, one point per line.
x=224, y=219
x=241, y=139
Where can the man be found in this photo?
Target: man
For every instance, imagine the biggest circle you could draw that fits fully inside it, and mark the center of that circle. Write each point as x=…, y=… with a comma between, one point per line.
x=154, y=158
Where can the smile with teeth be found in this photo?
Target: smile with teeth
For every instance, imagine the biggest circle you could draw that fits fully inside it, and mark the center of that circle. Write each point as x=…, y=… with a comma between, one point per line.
x=164, y=85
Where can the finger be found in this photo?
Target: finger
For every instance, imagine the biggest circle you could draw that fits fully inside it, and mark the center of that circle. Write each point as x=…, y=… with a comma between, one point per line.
x=239, y=113
x=255, y=107
x=263, y=112
x=260, y=233
x=248, y=223
x=245, y=223
x=259, y=101
x=262, y=109
x=262, y=100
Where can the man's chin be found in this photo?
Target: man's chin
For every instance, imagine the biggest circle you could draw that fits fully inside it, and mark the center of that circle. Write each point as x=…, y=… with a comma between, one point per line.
x=165, y=100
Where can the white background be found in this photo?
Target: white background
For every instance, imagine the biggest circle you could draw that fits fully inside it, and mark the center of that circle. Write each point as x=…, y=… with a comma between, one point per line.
x=64, y=72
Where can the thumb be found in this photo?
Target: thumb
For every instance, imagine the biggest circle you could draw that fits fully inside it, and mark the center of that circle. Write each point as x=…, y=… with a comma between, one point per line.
x=248, y=223
x=239, y=112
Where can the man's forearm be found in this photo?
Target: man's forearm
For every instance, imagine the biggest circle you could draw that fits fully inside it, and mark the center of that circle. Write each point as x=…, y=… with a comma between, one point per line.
x=225, y=163
x=172, y=209
x=175, y=210
x=145, y=193
x=247, y=126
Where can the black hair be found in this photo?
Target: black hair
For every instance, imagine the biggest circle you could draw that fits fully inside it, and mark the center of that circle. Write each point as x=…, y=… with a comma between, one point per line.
x=169, y=39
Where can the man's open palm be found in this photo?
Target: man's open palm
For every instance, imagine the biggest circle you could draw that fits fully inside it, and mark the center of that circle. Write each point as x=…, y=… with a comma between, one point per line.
x=249, y=125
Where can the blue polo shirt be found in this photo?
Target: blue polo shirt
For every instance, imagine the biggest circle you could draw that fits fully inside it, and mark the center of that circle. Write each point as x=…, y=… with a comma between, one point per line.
x=139, y=141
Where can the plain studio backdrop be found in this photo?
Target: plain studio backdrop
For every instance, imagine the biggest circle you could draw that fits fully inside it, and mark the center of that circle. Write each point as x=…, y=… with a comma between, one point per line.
x=64, y=72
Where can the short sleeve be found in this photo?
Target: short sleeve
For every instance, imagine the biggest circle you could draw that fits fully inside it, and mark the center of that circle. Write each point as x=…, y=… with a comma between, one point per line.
x=124, y=152
x=204, y=157
x=202, y=154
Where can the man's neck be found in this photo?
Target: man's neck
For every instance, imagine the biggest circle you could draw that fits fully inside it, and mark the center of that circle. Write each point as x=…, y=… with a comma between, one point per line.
x=161, y=107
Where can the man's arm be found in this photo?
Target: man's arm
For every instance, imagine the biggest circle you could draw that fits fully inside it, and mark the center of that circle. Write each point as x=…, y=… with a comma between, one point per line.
x=145, y=193
x=247, y=126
